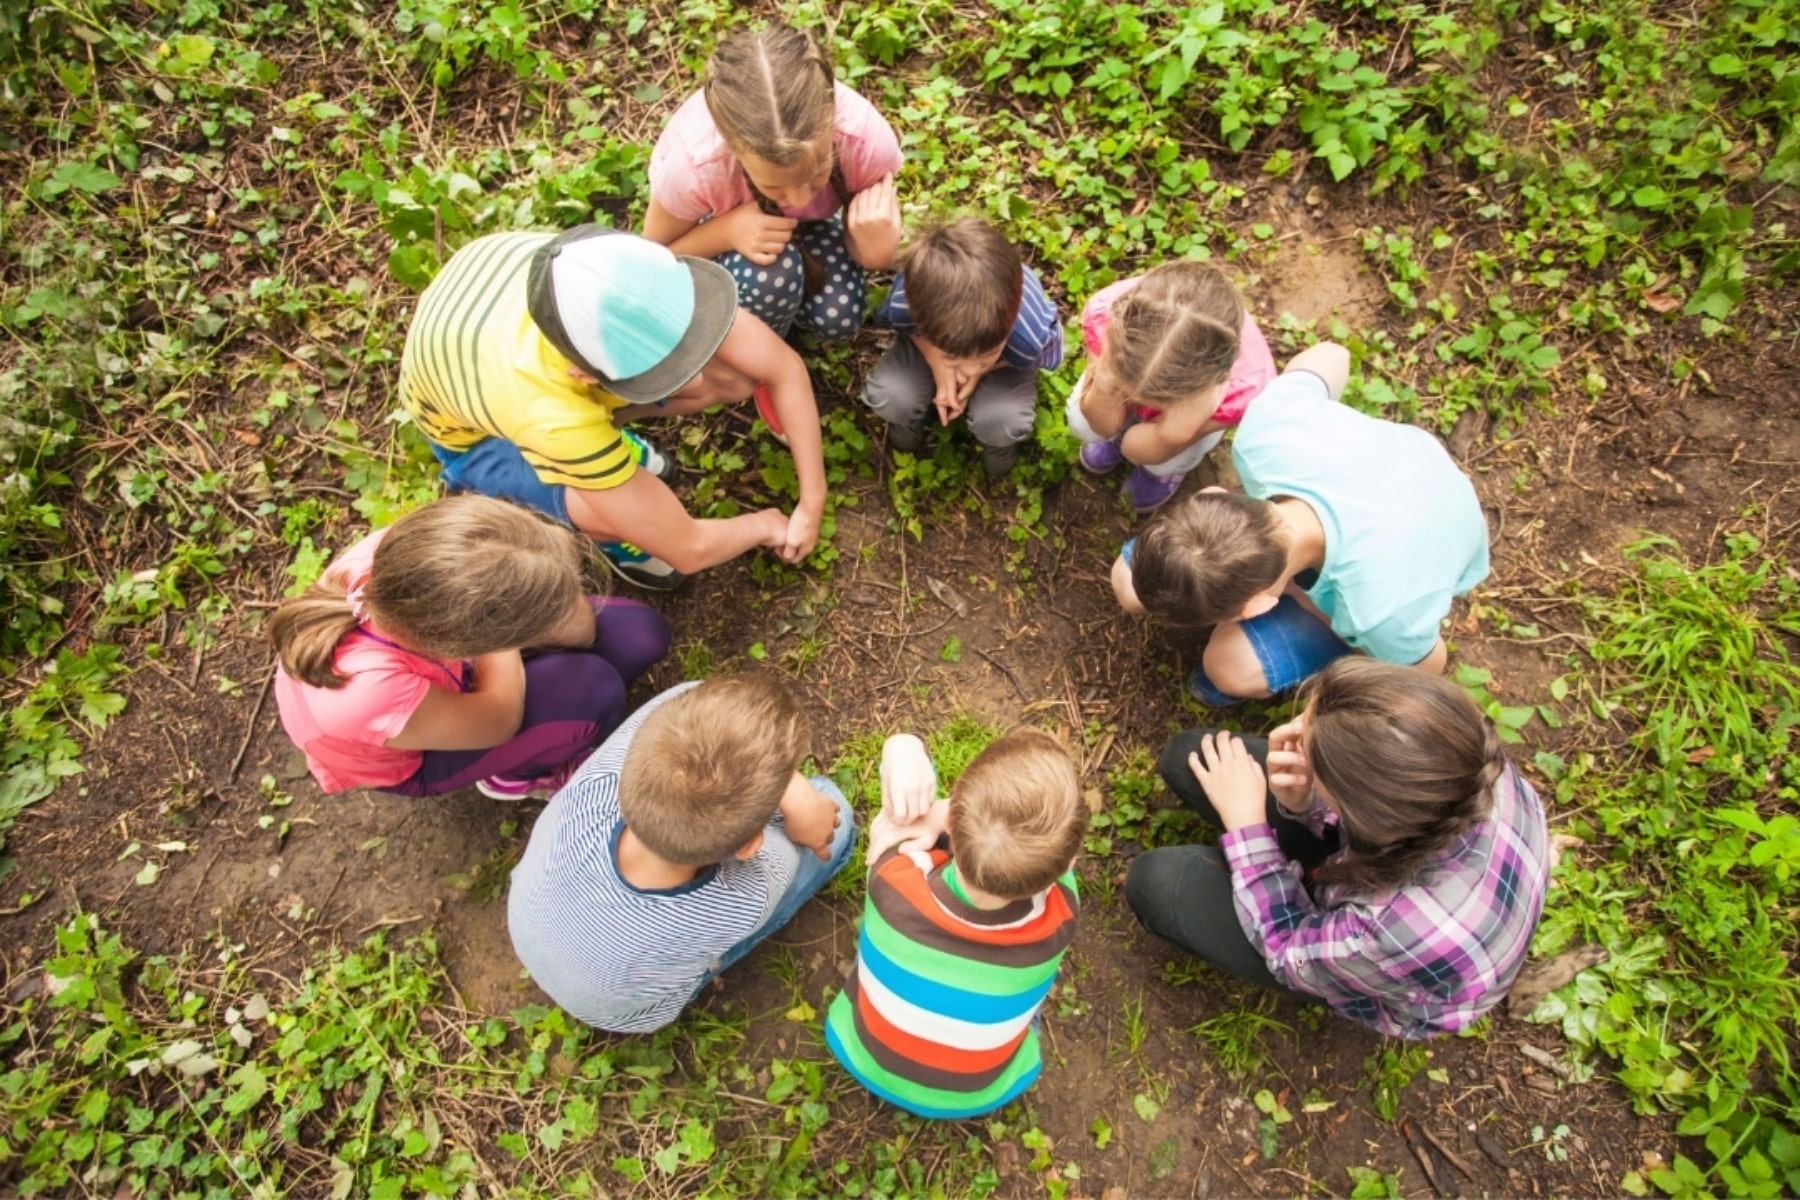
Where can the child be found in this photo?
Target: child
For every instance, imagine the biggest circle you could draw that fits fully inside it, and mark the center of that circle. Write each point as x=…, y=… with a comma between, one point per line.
x=1353, y=534
x=683, y=842
x=784, y=177
x=1174, y=360
x=960, y=946
x=401, y=668
x=1392, y=865
x=975, y=330
x=530, y=350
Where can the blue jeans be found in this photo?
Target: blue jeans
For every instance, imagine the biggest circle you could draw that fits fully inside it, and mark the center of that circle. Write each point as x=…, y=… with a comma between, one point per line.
x=811, y=875
x=495, y=467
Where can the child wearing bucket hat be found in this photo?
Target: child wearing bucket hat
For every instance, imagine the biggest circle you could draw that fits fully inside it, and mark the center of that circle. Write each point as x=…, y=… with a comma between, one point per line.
x=528, y=353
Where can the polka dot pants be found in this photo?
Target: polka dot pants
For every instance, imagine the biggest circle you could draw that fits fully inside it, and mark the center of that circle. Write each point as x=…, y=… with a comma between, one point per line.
x=775, y=292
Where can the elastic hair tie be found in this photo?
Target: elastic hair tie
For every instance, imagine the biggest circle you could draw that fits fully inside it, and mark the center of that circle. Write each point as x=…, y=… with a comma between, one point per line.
x=358, y=609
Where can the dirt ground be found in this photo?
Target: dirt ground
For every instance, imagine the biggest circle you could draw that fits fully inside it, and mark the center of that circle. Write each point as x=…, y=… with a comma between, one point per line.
x=1564, y=494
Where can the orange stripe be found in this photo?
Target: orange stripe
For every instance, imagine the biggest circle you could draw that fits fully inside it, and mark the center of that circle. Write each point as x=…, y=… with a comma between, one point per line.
x=935, y=1054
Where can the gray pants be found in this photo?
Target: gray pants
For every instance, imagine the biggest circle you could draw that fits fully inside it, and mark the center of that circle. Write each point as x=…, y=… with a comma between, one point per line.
x=1001, y=411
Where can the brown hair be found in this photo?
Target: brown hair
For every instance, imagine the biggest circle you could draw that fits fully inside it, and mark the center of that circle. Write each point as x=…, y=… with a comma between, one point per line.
x=1016, y=816
x=1173, y=336
x=1408, y=760
x=964, y=284
x=1199, y=562
x=707, y=769
x=459, y=577
x=772, y=94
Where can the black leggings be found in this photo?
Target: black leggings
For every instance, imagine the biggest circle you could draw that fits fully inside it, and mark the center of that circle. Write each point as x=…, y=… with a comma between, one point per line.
x=1183, y=894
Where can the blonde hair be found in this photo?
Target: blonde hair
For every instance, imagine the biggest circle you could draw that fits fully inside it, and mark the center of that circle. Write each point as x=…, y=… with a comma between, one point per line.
x=1174, y=336
x=1198, y=562
x=771, y=94
x=1016, y=816
x=706, y=770
x=964, y=284
x=457, y=578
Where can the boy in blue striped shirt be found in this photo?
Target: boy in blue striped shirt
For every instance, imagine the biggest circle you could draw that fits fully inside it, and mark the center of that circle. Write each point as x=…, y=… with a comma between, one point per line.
x=975, y=329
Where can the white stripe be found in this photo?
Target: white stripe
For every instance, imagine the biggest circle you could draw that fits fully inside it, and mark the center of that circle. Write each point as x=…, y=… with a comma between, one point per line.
x=935, y=1027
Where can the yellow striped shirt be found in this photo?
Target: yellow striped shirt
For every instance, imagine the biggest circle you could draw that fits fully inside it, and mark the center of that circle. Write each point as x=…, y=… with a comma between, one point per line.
x=476, y=366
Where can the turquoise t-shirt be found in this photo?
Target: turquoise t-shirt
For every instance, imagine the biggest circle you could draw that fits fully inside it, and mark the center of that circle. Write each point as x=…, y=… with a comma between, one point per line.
x=1403, y=530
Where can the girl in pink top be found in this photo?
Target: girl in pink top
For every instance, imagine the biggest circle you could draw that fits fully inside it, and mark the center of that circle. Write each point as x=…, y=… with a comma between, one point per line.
x=1174, y=360
x=783, y=176
x=456, y=648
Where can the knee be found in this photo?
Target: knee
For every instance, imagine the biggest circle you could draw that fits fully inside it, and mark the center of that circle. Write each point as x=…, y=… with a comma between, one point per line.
x=578, y=686
x=772, y=292
x=893, y=391
x=1152, y=886
x=1123, y=589
x=1231, y=664
x=1003, y=417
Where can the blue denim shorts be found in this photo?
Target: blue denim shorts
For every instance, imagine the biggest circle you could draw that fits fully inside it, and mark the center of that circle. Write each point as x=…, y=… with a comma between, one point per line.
x=1291, y=644
x=495, y=467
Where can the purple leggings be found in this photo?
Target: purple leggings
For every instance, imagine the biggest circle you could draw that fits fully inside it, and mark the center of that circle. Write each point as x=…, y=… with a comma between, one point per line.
x=573, y=700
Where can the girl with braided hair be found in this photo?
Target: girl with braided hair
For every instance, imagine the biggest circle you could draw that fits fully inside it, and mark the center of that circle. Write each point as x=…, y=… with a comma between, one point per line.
x=785, y=177
x=1391, y=862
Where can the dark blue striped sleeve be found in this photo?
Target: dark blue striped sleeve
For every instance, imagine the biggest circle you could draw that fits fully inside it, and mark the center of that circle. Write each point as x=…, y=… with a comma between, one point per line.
x=1036, y=339
x=894, y=312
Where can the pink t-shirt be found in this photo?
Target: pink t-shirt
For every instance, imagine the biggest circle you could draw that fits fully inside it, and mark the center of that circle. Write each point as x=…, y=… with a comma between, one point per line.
x=1250, y=374
x=342, y=730
x=694, y=174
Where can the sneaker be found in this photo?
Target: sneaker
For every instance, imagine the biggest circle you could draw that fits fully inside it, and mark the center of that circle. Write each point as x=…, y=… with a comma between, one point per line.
x=649, y=457
x=765, y=408
x=514, y=787
x=1203, y=690
x=999, y=460
x=1099, y=458
x=907, y=438
x=640, y=569
x=1148, y=492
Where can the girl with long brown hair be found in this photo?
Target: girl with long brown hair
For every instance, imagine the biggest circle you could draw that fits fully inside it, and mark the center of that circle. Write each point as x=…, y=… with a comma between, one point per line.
x=457, y=648
x=1380, y=853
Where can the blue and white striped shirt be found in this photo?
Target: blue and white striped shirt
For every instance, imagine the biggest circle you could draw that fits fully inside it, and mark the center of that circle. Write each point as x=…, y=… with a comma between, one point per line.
x=1036, y=339
x=613, y=955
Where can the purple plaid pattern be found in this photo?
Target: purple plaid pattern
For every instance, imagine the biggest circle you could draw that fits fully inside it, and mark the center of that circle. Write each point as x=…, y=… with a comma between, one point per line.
x=1423, y=960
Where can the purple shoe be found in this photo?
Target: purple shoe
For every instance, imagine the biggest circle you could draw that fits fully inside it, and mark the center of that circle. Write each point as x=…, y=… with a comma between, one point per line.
x=1148, y=492
x=1098, y=458
x=520, y=787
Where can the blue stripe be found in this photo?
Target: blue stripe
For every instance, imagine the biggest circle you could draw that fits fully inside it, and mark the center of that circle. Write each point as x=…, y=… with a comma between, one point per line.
x=932, y=996
x=941, y=1114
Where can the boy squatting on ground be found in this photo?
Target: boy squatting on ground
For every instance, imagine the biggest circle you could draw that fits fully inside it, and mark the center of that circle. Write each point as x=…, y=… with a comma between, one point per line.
x=960, y=944
x=975, y=329
x=685, y=839
x=529, y=351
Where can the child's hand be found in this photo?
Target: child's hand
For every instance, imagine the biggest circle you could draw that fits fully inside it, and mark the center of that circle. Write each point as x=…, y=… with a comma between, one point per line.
x=799, y=534
x=872, y=224
x=1290, y=774
x=908, y=780
x=1103, y=411
x=773, y=524
x=809, y=817
x=1233, y=781
x=758, y=236
x=885, y=833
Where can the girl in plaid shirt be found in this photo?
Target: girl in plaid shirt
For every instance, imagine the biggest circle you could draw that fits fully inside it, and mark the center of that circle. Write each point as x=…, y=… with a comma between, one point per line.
x=1392, y=862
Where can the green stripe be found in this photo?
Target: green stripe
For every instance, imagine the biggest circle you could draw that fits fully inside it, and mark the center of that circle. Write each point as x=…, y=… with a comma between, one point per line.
x=843, y=1022
x=954, y=970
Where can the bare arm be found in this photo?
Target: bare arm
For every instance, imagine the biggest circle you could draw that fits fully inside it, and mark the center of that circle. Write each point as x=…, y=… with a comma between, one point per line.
x=1437, y=660
x=752, y=348
x=1104, y=415
x=1329, y=361
x=478, y=719
x=643, y=511
x=746, y=229
x=1150, y=443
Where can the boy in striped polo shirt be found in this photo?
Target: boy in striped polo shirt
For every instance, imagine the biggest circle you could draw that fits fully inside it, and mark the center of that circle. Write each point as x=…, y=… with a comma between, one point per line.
x=975, y=329
x=960, y=944
x=686, y=839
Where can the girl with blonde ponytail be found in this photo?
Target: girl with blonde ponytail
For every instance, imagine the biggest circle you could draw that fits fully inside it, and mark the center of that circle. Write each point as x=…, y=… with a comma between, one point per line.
x=1392, y=863
x=785, y=177
x=454, y=649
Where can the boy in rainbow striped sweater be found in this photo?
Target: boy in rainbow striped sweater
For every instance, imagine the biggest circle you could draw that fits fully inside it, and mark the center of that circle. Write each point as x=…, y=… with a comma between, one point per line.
x=960, y=944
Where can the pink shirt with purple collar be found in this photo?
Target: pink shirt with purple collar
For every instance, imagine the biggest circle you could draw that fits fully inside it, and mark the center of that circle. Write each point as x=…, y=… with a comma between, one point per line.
x=343, y=731
x=694, y=174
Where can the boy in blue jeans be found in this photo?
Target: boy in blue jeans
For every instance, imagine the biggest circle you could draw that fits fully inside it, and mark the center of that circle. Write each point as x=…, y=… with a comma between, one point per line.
x=684, y=841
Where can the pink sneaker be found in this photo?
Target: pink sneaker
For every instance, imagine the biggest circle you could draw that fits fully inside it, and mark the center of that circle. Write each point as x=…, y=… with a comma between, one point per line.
x=1148, y=492
x=518, y=787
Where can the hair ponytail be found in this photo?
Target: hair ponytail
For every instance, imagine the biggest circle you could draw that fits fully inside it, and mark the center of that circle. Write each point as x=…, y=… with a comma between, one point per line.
x=306, y=631
x=1409, y=761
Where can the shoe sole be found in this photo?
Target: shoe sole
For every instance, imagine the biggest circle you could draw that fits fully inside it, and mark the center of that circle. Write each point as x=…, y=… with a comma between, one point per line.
x=648, y=582
x=1098, y=470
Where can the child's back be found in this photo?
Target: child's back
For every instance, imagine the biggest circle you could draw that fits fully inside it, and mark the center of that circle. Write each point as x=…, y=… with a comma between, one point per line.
x=939, y=1016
